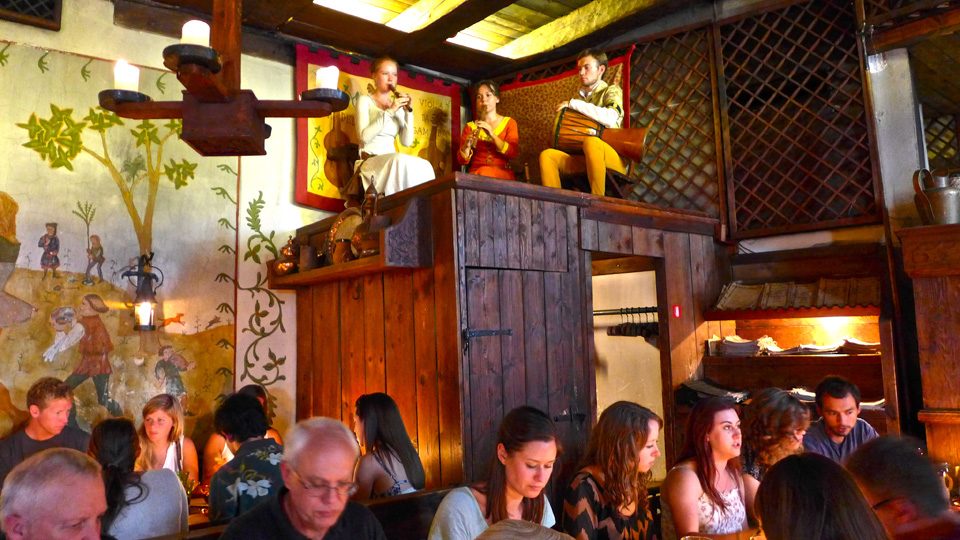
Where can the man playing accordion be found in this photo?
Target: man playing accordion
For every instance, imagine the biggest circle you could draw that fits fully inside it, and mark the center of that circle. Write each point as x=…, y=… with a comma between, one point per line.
x=604, y=104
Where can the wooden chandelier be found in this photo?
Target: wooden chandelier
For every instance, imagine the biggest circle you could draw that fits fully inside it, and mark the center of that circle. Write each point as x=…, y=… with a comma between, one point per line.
x=220, y=118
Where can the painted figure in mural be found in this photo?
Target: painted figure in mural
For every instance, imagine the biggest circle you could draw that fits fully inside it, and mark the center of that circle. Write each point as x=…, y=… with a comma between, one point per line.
x=318, y=466
x=50, y=259
x=94, y=258
x=217, y=452
x=49, y=401
x=94, y=344
x=253, y=475
x=66, y=331
x=33, y=505
x=167, y=372
x=603, y=103
x=162, y=442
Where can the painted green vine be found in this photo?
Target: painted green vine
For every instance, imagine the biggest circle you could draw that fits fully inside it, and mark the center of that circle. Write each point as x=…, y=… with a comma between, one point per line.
x=259, y=366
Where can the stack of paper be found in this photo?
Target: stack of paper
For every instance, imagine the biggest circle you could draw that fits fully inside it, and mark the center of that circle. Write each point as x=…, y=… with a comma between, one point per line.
x=807, y=349
x=855, y=346
x=736, y=295
x=737, y=346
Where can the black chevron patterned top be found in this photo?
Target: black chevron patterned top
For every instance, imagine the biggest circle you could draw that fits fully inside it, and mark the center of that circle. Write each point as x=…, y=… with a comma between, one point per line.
x=587, y=515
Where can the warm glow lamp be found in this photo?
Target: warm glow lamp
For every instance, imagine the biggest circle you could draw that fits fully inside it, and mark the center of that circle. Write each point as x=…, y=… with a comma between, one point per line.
x=145, y=303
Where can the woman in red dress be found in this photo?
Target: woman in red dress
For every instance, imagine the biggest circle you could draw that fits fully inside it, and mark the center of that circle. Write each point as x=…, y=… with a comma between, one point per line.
x=490, y=141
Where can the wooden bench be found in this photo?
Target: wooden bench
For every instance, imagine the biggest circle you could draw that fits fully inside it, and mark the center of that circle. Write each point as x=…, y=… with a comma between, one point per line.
x=407, y=517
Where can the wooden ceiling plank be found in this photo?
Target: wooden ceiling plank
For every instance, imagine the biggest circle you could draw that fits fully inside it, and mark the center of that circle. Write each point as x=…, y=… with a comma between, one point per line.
x=574, y=25
x=422, y=14
x=427, y=39
x=915, y=31
x=524, y=16
x=552, y=9
x=272, y=14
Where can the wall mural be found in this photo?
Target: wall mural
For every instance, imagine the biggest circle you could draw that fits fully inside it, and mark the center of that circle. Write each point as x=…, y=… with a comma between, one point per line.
x=82, y=194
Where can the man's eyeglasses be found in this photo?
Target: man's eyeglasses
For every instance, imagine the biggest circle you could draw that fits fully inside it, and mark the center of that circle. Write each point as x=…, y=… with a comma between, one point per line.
x=884, y=502
x=342, y=489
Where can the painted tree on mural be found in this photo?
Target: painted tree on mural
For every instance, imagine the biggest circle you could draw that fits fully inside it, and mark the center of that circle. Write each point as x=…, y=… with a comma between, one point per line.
x=59, y=140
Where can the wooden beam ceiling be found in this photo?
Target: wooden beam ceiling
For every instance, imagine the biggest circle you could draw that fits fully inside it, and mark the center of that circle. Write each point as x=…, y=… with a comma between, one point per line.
x=495, y=20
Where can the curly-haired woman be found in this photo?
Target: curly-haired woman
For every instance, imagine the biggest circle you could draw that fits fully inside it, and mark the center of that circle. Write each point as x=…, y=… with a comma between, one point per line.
x=607, y=498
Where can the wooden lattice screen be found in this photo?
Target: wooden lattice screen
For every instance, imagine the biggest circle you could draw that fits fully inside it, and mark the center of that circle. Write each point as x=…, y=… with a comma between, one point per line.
x=42, y=13
x=671, y=93
x=940, y=134
x=799, y=150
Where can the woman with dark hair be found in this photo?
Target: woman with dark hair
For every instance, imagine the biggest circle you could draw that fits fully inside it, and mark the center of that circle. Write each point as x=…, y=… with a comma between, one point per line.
x=139, y=505
x=607, y=499
x=217, y=452
x=704, y=492
x=384, y=116
x=527, y=447
x=390, y=465
x=490, y=141
x=809, y=497
x=774, y=422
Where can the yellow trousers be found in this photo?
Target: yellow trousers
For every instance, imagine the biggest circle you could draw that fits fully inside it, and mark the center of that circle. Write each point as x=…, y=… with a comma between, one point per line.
x=597, y=157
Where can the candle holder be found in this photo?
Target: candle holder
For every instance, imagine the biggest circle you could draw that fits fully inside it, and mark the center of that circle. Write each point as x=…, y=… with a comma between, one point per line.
x=180, y=54
x=109, y=99
x=338, y=99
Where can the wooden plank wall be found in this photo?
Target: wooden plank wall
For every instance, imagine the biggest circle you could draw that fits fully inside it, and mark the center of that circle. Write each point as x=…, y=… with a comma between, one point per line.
x=392, y=332
x=687, y=276
x=524, y=271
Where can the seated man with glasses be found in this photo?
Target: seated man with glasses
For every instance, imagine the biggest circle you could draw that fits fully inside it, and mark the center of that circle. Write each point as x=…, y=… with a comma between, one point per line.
x=318, y=466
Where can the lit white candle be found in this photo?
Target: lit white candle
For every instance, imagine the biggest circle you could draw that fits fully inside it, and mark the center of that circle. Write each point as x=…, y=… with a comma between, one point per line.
x=144, y=313
x=328, y=77
x=195, y=33
x=126, y=77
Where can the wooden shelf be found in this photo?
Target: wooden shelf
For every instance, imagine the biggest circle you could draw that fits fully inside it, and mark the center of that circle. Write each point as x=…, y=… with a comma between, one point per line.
x=405, y=244
x=790, y=313
x=349, y=269
x=788, y=371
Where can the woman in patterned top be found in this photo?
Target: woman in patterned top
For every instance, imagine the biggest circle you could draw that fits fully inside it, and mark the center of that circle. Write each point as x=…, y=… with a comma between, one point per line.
x=774, y=423
x=704, y=493
x=607, y=499
x=390, y=465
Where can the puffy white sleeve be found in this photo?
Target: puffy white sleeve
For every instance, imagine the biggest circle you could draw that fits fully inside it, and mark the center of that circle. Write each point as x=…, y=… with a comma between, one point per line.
x=368, y=125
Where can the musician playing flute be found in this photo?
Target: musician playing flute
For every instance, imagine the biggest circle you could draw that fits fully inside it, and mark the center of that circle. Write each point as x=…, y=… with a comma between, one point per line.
x=490, y=141
x=601, y=102
x=384, y=115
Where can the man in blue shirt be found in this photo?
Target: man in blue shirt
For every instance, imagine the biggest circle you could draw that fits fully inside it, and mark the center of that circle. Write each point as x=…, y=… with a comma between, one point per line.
x=839, y=431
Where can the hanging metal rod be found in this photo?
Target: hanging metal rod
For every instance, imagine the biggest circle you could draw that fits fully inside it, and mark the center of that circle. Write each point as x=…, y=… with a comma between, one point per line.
x=625, y=311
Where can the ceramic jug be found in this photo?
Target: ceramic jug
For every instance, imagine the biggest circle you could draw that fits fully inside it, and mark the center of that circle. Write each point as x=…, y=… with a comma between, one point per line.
x=937, y=197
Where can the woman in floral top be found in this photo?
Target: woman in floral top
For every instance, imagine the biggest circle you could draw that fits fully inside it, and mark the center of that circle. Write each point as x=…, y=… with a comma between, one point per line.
x=607, y=499
x=253, y=475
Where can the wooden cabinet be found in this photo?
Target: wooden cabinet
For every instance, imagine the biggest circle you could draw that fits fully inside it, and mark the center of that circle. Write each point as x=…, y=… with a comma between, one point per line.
x=499, y=314
x=931, y=257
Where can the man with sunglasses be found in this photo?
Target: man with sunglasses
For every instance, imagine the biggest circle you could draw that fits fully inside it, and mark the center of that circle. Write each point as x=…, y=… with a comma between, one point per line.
x=318, y=465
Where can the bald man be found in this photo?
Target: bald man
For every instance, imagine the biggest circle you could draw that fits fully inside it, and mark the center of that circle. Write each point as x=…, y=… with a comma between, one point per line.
x=56, y=494
x=318, y=465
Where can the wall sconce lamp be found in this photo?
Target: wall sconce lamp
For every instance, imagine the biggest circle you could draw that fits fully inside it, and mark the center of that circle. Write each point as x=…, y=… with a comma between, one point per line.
x=219, y=118
x=145, y=302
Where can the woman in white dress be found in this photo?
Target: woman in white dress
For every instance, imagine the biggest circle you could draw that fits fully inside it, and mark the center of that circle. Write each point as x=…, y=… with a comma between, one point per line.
x=382, y=115
x=162, y=443
x=703, y=493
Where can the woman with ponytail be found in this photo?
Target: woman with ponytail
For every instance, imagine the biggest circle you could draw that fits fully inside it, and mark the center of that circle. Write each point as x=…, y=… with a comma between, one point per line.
x=139, y=504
